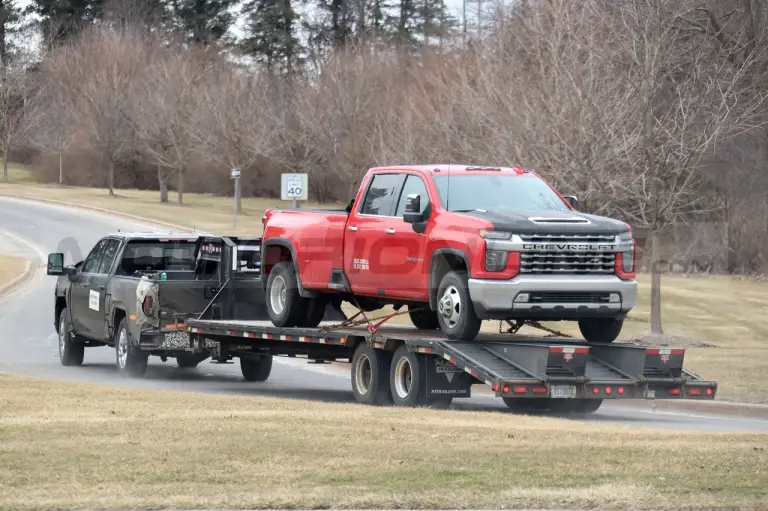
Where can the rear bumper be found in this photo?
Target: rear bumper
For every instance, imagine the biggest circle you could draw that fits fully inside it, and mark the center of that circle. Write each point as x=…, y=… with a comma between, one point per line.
x=553, y=297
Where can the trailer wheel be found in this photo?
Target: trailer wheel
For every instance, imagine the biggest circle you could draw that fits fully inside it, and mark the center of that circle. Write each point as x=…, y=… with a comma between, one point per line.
x=131, y=361
x=406, y=378
x=455, y=312
x=285, y=306
x=71, y=348
x=585, y=405
x=601, y=329
x=424, y=319
x=527, y=405
x=189, y=360
x=256, y=369
x=370, y=375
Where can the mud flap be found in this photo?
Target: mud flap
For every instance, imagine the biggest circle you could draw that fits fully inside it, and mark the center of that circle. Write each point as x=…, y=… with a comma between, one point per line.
x=445, y=379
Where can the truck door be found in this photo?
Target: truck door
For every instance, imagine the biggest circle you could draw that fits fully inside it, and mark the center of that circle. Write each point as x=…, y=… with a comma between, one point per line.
x=406, y=252
x=367, y=234
x=83, y=302
x=98, y=284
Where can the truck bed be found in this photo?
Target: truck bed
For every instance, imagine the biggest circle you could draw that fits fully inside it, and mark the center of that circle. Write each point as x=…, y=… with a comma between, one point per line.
x=511, y=365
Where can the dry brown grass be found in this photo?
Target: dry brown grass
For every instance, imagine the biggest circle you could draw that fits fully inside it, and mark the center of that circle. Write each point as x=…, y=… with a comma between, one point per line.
x=61, y=448
x=726, y=312
x=10, y=268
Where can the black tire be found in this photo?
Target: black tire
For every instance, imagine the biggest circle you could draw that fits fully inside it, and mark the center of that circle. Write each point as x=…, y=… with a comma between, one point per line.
x=71, y=346
x=314, y=312
x=256, y=369
x=455, y=312
x=527, y=405
x=601, y=329
x=407, y=377
x=133, y=361
x=424, y=319
x=283, y=289
x=370, y=376
x=585, y=405
x=542, y=405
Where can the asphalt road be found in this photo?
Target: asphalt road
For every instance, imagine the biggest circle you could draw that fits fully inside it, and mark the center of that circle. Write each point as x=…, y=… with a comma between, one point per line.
x=28, y=343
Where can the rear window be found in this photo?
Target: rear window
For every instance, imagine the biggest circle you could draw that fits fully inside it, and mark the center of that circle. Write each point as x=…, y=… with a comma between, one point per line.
x=153, y=255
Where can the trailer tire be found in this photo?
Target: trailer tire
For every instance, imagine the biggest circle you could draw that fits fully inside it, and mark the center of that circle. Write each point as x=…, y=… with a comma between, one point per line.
x=407, y=376
x=455, y=311
x=256, y=369
x=71, y=348
x=188, y=360
x=585, y=405
x=130, y=360
x=424, y=319
x=370, y=375
x=314, y=312
x=601, y=329
x=283, y=294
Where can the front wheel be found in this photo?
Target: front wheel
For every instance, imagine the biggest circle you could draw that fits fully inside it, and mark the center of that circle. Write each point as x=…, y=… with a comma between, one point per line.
x=455, y=312
x=71, y=347
x=601, y=329
x=131, y=361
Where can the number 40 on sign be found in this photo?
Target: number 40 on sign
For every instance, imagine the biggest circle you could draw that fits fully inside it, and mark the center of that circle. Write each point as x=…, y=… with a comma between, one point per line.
x=294, y=187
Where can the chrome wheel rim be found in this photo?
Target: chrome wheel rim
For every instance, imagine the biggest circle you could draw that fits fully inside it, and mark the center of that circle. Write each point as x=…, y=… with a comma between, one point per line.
x=449, y=306
x=277, y=295
x=62, y=335
x=403, y=377
x=363, y=375
x=122, y=348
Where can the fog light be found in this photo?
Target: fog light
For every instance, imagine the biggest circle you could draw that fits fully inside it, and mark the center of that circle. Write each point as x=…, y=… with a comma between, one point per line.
x=522, y=297
x=615, y=298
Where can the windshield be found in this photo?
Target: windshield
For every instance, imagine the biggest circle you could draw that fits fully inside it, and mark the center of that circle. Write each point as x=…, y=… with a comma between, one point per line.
x=465, y=192
x=158, y=256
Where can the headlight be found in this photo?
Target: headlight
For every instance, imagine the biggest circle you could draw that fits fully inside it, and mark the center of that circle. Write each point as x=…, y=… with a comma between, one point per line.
x=496, y=260
x=625, y=236
x=494, y=235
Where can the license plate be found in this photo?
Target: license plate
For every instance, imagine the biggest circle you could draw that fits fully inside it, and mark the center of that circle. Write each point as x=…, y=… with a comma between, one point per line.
x=563, y=391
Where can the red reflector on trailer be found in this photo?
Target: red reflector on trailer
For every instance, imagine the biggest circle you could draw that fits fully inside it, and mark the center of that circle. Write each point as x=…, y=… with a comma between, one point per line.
x=505, y=389
x=694, y=392
x=595, y=390
x=608, y=390
x=708, y=392
x=556, y=349
x=520, y=390
x=674, y=392
x=539, y=390
x=620, y=390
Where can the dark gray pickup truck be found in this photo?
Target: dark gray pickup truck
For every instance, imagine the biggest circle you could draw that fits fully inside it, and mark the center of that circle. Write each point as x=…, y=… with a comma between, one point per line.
x=134, y=290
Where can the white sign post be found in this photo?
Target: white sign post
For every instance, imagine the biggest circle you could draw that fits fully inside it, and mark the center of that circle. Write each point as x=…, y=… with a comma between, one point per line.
x=294, y=187
x=236, y=176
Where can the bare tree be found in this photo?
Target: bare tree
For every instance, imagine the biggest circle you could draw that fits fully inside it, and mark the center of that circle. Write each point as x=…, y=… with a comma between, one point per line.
x=56, y=130
x=19, y=93
x=102, y=72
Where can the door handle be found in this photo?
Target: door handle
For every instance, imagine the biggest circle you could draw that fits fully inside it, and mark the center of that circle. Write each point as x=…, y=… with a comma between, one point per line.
x=352, y=228
x=102, y=286
x=389, y=230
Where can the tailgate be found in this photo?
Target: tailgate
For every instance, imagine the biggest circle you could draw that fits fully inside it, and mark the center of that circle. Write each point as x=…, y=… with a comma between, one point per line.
x=177, y=300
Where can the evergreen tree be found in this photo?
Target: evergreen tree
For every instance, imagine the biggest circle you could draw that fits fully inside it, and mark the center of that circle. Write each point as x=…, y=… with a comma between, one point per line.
x=202, y=21
x=272, y=35
x=63, y=19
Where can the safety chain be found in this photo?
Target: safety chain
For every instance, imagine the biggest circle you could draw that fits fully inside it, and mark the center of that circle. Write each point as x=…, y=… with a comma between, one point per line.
x=515, y=325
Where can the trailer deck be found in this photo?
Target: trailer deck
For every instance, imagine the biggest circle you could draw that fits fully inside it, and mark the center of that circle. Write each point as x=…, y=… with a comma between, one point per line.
x=514, y=366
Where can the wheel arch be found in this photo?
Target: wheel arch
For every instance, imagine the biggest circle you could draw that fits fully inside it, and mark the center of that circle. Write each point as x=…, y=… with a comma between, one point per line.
x=275, y=250
x=442, y=261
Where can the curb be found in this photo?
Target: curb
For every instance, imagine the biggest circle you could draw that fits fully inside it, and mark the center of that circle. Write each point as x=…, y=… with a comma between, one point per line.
x=29, y=271
x=743, y=410
x=98, y=210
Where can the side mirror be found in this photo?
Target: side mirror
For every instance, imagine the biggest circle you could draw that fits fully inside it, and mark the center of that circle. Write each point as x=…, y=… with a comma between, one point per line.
x=573, y=201
x=413, y=213
x=56, y=264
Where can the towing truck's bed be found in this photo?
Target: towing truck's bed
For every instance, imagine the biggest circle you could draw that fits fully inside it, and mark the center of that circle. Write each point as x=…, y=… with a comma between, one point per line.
x=423, y=368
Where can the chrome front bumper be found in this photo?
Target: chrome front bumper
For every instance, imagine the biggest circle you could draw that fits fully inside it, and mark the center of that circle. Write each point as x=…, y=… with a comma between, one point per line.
x=497, y=299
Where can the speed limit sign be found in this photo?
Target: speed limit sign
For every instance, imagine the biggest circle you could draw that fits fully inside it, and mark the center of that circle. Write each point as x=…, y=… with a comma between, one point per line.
x=294, y=187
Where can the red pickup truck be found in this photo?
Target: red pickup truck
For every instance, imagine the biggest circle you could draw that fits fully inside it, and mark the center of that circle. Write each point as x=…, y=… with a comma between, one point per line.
x=457, y=245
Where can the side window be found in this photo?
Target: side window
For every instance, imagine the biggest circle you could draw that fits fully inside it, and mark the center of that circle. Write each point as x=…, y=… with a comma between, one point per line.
x=413, y=184
x=380, y=197
x=91, y=264
x=109, y=256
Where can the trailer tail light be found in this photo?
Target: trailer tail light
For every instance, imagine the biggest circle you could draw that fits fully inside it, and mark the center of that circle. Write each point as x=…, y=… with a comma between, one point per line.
x=595, y=390
x=675, y=391
x=608, y=390
x=694, y=392
x=708, y=391
x=620, y=391
x=520, y=390
x=539, y=390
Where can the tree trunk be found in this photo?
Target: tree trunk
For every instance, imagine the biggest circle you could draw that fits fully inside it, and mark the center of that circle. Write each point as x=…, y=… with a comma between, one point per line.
x=239, y=203
x=180, y=186
x=162, y=180
x=656, y=283
x=111, y=177
x=61, y=167
x=5, y=166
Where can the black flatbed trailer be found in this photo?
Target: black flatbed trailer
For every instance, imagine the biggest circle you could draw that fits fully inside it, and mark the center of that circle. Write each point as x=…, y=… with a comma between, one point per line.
x=528, y=372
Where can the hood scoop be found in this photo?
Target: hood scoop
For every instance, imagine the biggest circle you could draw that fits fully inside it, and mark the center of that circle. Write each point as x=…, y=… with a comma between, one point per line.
x=565, y=220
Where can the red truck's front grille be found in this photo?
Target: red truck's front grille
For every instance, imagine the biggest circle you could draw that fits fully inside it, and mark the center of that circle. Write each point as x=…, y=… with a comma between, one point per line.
x=553, y=260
